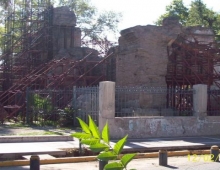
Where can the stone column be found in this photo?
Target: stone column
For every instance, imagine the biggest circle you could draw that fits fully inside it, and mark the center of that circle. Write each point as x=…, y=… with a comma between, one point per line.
x=106, y=102
x=200, y=98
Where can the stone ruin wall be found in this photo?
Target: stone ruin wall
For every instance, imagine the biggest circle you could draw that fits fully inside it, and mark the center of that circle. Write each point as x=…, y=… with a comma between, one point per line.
x=67, y=37
x=66, y=40
x=142, y=51
x=65, y=33
x=141, y=57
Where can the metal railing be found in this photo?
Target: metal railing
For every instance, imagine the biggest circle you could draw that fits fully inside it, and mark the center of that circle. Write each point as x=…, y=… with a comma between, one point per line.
x=153, y=101
x=213, y=108
x=50, y=107
x=86, y=102
x=61, y=107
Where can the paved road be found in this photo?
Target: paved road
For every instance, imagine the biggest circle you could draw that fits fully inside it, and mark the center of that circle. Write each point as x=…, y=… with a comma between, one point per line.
x=138, y=164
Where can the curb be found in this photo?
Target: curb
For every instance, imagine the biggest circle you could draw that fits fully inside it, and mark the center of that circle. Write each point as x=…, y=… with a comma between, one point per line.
x=94, y=158
x=37, y=138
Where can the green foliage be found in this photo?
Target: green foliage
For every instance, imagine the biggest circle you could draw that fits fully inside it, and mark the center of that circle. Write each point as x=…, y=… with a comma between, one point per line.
x=114, y=166
x=119, y=145
x=175, y=9
x=196, y=14
x=65, y=116
x=43, y=112
x=94, y=128
x=42, y=103
x=84, y=126
x=90, y=135
x=93, y=23
x=106, y=156
x=99, y=147
x=82, y=135
x=105, y=134
x=127, y=158
x=89, y=141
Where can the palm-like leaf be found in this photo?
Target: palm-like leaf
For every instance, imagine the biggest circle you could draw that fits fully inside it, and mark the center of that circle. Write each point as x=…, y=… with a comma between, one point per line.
x=105, y=133
x=99, y=147
x=127, y=158
x=93, y=128
x=114, y=166
x=119, y=145
x=106, y=156
x=84, y=126
x=82, y=135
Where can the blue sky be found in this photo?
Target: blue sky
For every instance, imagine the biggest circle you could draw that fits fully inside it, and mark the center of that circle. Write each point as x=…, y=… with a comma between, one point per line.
x=142, y=12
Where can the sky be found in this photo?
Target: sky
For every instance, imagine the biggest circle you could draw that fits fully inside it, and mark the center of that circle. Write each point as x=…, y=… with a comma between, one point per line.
x=142, y=12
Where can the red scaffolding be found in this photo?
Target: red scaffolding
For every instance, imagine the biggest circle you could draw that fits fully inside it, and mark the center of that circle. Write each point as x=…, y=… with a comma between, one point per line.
x=27, y=60
x=193, y=62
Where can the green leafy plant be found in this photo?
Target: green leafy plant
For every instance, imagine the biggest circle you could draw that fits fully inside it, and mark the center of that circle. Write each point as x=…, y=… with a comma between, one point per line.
x=42, y=103
x=100, y=142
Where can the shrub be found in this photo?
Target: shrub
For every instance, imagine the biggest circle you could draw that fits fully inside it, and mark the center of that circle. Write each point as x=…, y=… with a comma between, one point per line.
x=100, y=142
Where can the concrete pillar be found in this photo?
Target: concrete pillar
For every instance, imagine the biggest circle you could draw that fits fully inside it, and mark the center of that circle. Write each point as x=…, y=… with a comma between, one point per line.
x=214, y=152
x=106, y=102
x=102, y=164
x=163, y=157
x=200, y=99
x=34, y=162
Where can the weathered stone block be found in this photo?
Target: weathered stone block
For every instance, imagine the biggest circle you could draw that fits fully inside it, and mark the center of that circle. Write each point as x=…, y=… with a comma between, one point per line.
x=64, y=17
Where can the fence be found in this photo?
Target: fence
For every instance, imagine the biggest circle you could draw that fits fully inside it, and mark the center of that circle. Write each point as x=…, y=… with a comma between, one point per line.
x=61, y=107
x=153, y=101
x=50, y=107
x=86, y=102
x=213, y=102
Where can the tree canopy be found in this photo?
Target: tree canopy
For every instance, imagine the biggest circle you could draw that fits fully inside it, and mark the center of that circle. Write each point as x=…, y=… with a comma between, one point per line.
x=197, y=14
x=94, y=24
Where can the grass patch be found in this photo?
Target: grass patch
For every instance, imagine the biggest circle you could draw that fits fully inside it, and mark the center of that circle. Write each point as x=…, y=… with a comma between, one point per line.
x=15, y=125
x=40, y=133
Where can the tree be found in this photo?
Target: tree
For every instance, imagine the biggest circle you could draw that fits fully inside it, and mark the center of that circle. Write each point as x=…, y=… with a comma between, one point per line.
x=5, y=3
x=177, y=9
x=197, y=14
x=94, y=25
